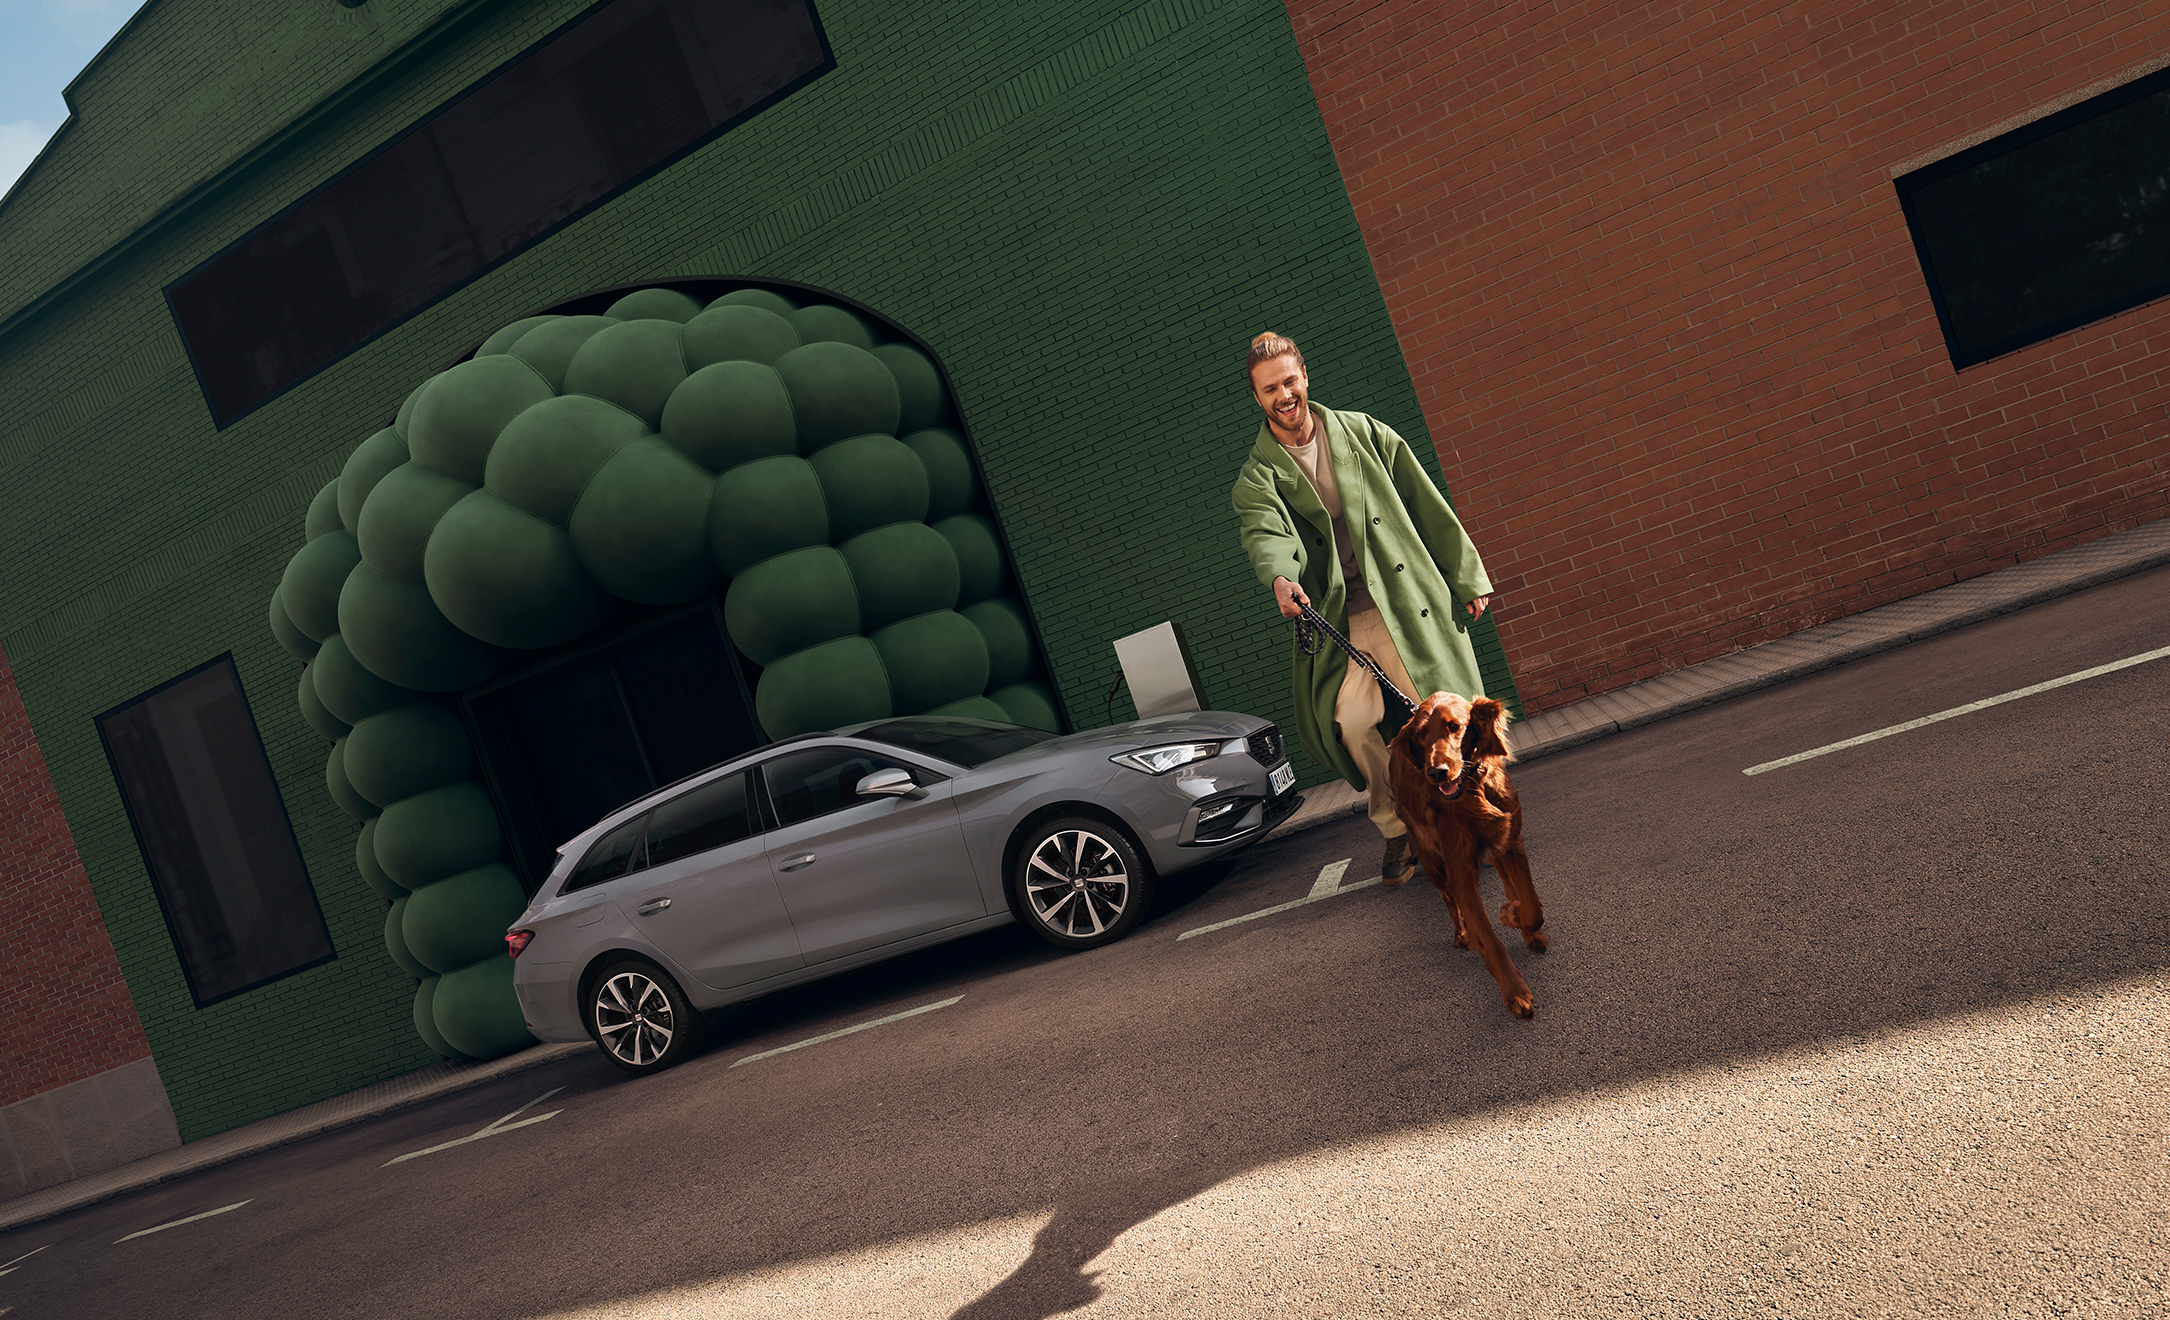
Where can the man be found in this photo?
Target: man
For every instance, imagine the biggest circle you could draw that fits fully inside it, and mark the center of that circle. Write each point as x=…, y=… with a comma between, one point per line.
x=1334, y=506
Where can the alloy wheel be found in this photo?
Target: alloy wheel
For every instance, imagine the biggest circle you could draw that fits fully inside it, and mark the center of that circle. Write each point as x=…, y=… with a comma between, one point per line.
x=633, y=1018
x=1076, y=883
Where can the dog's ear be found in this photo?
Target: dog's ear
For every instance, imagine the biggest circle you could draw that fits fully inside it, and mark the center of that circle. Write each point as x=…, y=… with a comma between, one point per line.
x=1490, y=719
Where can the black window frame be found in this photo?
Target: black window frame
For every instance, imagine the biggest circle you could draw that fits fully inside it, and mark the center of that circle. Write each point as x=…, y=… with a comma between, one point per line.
x=772, y=819
x=151, y=873
x=1912, y=182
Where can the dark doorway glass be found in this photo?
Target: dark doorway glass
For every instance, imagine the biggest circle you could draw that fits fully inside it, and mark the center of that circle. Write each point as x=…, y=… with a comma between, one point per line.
x=214, y=834
x=566, y=744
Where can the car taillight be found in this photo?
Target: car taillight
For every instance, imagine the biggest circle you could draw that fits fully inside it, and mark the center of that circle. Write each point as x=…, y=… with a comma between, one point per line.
x=518, y=939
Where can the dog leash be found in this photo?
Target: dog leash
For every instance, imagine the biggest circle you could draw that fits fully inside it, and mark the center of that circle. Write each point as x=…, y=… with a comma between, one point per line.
x=1308, y=626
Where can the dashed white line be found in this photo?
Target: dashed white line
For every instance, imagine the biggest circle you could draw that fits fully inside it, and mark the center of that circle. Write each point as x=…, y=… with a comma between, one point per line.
x=9, y=1268
x=1956, y=711
x=816, y=1040
x=502, y=1125
x=1328, y=885
x=178, y=1222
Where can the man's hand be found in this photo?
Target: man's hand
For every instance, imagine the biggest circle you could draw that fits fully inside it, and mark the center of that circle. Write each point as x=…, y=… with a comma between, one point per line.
x=1289, y=597
x=1476, y=607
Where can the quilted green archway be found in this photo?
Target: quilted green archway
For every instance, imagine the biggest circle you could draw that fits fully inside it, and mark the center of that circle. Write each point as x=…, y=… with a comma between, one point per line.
x=804, y=461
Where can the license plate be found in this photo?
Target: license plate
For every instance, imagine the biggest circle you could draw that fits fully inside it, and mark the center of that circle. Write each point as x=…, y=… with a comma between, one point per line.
x=1284, y=778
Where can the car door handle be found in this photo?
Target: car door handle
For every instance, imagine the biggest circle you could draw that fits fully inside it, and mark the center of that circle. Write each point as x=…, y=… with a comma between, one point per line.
x=798, y=863
x=651, y=907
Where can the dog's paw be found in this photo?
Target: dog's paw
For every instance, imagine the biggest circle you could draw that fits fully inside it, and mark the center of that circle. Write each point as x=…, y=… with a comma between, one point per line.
x=1522, y=1006
x=1536, y=941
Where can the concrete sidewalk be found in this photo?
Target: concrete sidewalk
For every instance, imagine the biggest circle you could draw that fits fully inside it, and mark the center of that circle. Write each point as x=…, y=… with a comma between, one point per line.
x=1596, y=717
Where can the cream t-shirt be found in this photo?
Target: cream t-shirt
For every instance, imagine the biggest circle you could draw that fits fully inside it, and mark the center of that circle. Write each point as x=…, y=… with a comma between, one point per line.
x=1318, y=465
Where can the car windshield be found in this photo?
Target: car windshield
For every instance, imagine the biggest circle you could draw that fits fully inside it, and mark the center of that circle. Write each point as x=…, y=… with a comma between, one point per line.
x=958, y=741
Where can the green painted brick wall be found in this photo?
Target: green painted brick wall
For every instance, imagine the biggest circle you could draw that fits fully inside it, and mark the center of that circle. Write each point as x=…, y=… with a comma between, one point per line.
x=1085, y=208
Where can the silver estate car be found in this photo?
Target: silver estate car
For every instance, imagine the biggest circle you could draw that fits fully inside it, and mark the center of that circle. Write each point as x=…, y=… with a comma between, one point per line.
x=829, y=851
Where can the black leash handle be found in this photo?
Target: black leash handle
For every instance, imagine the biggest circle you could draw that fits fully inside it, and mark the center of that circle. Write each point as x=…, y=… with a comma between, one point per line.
x=1311, y=622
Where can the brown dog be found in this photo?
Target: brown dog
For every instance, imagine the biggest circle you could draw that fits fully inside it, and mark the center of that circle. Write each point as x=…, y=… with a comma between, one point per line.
x=1448, y=769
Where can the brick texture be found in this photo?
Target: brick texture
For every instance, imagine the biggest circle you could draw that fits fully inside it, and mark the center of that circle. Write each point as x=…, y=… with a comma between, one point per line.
x=65, y=1014
x=1650, y=273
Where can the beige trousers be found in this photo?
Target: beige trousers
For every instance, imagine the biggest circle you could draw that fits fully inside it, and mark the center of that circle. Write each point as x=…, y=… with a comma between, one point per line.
x=1359, y=707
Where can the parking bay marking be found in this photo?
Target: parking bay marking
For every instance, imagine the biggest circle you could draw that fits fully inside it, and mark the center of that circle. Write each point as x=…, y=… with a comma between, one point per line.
x=502, y=1125
x=1328, y=885
x=816, y=1040
x=178, y=1222
x=9, y=1268
x=1956, y=711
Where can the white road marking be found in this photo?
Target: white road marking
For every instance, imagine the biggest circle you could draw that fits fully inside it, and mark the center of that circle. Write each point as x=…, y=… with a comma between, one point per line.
x=9, y=1268
x=1328, y=885
x=178, y=1222
x=502, y=1125
x=1956, y=711
x=816, y=1040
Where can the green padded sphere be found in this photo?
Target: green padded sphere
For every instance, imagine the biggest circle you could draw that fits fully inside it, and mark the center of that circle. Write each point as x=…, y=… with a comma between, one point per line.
x=984, y=569
x=730, y=413
x=838, y=390
x=765, y=508
x=550, y=348
x=791, y=602
x=932, y=660
x=407, y=750
x=1029, y=704
x=952, y=486
x=397, y=632
x=395, y=942
x=366, y=466
x=342, y=791
x=425, y=1020
x=323, y=513
x=478, y=1013
x=504, y=575
x=903, y=569
x=870, y=481
x=406, y=409
x=365, y=861
x=922, y=400
x=547, y=454
x=1009, y=639
x=978, y=708
x=349, y=692
x=773, y=303
x=503, y=340
x=445, y=831
x=313, y=579
x=823, y=687
x=459, y=416
x=462, y=920
x=399, y=515
x=641, y=527
x=635, y=364
x=738, y=333
x=298, y=645
x=824, y=324
x=312, y=710
x=655, y=305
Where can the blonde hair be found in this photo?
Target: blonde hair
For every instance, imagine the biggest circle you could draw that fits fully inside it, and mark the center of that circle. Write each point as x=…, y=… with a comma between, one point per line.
x=1267, y=347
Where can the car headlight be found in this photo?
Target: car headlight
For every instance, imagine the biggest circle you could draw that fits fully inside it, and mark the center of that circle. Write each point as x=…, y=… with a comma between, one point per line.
x=1160, y=760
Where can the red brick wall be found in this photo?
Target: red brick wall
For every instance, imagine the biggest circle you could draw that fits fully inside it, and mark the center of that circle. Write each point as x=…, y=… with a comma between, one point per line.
x=65, y=1013
x=1650, y=274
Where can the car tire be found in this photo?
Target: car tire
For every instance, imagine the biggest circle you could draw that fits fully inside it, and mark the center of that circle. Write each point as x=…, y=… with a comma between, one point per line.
x=1079, y=883
x=640, y=1017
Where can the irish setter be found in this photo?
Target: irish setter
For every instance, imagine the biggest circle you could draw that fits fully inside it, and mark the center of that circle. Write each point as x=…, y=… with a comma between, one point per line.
x=1449, y=776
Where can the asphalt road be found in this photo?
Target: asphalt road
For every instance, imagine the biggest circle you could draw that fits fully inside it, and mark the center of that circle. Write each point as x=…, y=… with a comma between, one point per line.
x=1886, y=1032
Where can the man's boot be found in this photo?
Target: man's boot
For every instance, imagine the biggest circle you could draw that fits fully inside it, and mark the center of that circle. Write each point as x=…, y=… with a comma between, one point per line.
x=1399, y=864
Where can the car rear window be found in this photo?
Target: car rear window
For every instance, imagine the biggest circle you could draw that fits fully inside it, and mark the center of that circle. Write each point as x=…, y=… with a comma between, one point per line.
x=964, y=742
x=709, y=816
x=607, y=859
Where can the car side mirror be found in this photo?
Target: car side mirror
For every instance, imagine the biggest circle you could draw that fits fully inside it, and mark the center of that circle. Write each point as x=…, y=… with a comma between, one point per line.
x=893, y=782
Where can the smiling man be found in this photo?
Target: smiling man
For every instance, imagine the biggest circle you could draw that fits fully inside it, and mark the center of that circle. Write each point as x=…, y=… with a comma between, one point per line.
x=1334, y=507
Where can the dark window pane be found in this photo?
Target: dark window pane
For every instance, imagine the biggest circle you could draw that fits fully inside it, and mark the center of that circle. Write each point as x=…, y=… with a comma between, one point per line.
x=563, y=744
x=582, y=114
x=2049, y=227
x=819, y=780
x=607, y=857
x=684, y=692
x=214, y=834
x=707, y=817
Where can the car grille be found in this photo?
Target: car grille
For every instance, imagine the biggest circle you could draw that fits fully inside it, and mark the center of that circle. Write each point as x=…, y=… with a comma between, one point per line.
x=1265, y=746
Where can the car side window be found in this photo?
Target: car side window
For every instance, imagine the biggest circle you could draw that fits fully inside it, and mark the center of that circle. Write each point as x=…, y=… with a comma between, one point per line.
x=819, y=780
x=710, y=816
x=609, y=857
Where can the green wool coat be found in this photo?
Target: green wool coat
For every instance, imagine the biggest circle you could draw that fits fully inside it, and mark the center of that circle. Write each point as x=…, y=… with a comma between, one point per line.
x=1417, y=562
